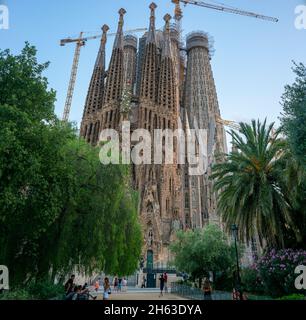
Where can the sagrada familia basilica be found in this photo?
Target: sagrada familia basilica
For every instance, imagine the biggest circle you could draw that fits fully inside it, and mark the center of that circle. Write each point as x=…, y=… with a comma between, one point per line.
x=159, y=82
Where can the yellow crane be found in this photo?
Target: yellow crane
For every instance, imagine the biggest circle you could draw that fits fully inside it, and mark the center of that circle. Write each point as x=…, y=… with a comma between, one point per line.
x=81, y=42
x=222, y=8
x=228, y=123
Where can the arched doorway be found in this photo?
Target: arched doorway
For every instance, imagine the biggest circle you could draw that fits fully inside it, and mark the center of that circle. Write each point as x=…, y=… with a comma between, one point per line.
x=151, y=277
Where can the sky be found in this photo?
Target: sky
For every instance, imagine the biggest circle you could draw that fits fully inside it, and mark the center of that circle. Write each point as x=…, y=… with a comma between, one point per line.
x=251, y=65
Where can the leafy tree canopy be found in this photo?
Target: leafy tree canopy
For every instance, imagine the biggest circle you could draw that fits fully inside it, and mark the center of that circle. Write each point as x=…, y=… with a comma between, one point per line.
x=60, y=208
x=202, y=251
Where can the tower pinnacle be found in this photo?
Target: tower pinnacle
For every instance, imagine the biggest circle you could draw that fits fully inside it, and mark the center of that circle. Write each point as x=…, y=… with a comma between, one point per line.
x=119, y=37
x=151, y=35
x=101, y=55
x=167, y=45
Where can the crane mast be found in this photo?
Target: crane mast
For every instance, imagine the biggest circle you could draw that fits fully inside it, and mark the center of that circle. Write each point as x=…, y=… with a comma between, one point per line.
x=80, y=43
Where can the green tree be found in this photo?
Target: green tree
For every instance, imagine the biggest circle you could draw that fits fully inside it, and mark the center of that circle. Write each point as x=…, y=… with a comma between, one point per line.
x=202, y=251
x=60, y=208
x=250, y=186
x=293, y=125
x=294, y=113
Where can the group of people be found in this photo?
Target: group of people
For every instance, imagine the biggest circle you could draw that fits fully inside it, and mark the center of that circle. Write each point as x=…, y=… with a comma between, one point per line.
x=237, y=294
x=120, y=284
x=77, y=292
x=163, y=282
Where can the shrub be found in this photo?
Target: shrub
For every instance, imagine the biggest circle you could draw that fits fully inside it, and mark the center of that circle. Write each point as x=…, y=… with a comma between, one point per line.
x=223, y=281
x=293, y=297
x=45, y=290
x=18, y=294
x=276, y=269
x=251, y=281
x=34, y=291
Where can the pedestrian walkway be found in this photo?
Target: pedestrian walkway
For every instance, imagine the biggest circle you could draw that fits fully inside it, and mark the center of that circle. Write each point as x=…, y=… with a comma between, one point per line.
x=141, y=294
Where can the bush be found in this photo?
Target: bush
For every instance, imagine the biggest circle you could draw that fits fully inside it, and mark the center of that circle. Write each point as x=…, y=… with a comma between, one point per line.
x=35, y=291
x=45, y=290
x=293, y=297
x=276, y=269
x=18, y=294
x=223, y=281
x=251, y=281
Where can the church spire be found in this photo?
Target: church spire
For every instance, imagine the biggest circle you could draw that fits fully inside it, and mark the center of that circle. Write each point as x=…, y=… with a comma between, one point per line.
x=167, y=75
x=151, y=34
x=148, y=89
x=114, y=84
x=100, y=62
x=95, y=93
x=166, y=51
x=119, y=37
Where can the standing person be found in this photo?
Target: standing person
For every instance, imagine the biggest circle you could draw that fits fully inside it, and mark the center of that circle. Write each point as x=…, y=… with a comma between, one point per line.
x=124, y=283
x=166, y=282
x=120, y=284
x=144, y=280
x=116, y=284
x=107, y=289
x=97, y=285
x=69, y=285
x=162, y=284
x=207, y=290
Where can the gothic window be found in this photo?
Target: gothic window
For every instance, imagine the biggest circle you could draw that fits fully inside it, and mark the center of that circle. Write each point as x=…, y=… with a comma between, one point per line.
x=85, y=132
x=186, y=181
x=155, y=121
x=150, y=207
x=150, y=238
x=89, y=133
x=186, y=201
x=167, y=205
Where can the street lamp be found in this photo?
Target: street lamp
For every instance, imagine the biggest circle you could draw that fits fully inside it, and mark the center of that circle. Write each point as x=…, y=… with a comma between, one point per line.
x=235, y=235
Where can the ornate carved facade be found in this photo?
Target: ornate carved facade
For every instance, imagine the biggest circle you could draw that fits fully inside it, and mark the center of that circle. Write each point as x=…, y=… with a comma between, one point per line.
x=165, y=89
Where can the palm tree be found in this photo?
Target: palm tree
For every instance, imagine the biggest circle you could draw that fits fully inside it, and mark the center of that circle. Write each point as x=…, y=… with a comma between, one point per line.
x=249, y=185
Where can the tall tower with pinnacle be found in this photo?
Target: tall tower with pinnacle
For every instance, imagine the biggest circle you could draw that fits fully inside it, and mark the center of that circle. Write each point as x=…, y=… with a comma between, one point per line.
x=155, y=84
x=201, y=105
x=90, y=124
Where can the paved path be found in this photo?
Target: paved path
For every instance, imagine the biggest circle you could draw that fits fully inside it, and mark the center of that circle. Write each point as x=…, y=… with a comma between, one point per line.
x=141, y=294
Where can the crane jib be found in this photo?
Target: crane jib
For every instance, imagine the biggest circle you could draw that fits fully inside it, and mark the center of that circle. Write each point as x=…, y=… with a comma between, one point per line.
x=229, y=10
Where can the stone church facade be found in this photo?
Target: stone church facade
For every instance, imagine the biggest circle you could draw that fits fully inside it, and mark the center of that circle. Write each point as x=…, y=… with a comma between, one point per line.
x=159, y=83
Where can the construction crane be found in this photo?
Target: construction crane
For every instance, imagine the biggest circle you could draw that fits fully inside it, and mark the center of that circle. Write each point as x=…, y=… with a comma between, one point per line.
x=228, y=123
x=81, y=42
x=224, y=9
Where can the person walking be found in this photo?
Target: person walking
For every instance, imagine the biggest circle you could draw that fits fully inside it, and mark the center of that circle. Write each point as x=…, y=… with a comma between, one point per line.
x=161, y=284
x=107, y=289
x=119, y=284
x=124, y=283
x=144, y=280
x=166, y=282
x=116, y=283
x=207, y=290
